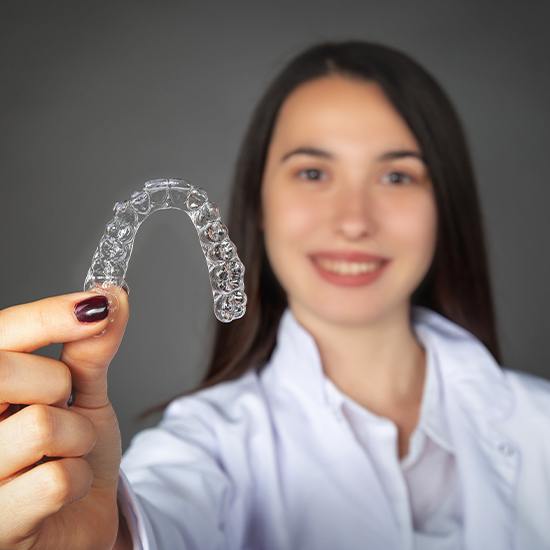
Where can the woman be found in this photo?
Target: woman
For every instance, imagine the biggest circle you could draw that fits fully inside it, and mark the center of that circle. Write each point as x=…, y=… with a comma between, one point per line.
x=359, y=403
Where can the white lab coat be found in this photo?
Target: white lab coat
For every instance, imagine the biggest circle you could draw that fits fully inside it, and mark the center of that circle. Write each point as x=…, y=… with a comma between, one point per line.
x=209, y=476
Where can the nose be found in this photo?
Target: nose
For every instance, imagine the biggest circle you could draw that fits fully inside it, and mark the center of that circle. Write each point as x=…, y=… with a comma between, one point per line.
x=354, y=212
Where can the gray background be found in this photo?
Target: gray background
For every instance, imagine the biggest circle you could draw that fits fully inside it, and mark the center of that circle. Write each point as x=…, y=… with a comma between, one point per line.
x=97, y=97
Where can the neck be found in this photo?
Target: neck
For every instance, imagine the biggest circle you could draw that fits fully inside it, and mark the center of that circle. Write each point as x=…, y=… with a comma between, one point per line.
x=379, y=364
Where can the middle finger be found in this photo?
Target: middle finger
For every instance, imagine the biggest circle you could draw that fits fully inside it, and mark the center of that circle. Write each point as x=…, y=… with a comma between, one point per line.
x=41, y=430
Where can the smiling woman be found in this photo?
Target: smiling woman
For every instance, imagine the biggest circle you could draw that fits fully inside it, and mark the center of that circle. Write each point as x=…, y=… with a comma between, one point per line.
x=365, y=135
x=360, y=402
x=353, y=208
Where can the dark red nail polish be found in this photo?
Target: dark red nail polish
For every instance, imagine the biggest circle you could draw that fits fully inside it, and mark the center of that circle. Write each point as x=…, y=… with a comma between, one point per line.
x=92, y=309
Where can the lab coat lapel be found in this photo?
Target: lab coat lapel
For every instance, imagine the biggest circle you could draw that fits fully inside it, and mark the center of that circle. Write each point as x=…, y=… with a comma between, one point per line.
x=488, y=468
x=476, y=396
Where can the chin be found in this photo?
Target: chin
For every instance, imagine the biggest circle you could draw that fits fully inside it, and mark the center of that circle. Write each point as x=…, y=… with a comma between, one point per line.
x=338, y=313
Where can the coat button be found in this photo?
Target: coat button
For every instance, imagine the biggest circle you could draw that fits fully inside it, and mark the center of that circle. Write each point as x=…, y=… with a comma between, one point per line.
x=506, y=449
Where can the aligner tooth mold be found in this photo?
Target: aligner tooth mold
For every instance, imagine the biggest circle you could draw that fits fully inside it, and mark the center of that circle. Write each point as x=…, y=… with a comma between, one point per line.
x=225, y=269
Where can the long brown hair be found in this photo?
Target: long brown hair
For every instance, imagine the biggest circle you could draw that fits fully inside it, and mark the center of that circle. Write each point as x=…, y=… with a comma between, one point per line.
x=457, y=284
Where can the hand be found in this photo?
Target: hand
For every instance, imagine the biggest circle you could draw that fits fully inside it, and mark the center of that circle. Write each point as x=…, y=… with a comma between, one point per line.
x=68, y=499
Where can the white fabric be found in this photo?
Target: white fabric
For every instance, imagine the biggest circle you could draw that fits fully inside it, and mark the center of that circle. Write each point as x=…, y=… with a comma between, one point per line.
x=423, y=486
x=282, y=460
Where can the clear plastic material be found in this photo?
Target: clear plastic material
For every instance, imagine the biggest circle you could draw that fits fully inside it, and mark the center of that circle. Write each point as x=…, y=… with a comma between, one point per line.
x=225, y=269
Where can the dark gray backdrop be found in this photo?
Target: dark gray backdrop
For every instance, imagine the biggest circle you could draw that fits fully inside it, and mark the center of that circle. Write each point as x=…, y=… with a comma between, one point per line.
x=97, y=97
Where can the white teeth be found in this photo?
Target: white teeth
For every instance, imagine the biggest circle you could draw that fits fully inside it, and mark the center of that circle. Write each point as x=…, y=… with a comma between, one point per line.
x=349, y=268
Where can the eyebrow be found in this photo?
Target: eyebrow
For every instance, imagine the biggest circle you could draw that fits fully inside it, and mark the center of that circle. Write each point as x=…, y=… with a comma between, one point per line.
x=388, y=155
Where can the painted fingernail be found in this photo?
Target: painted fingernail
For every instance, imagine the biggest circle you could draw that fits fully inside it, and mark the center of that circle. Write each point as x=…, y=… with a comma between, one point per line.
x=92, y=309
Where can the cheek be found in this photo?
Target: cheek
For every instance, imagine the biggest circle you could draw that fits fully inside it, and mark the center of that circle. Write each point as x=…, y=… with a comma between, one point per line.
x=416, y=225
x=289, y=226
x=288, y=219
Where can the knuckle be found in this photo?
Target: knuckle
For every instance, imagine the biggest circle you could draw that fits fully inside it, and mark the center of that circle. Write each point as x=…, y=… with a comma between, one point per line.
x=65, y=480
x=92, y=436
x=66, y=380
x=41, y=425
x=55, y=482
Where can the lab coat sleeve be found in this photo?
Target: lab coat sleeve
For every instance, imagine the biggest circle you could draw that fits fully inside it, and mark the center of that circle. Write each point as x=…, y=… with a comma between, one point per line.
x=173, y=489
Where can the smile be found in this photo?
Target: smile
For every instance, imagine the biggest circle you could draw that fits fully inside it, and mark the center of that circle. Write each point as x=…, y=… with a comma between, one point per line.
x=344, y=273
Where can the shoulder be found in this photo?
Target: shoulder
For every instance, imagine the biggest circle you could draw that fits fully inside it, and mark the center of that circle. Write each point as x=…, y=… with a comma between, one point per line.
x=531, y=392
x=201, y=424
x=227, y=403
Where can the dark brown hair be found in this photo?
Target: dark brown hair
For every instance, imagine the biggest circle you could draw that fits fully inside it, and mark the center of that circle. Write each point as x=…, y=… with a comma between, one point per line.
x=457, y=284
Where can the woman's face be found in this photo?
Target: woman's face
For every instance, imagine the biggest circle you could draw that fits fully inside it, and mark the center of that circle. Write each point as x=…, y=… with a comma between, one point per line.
x=332, y=185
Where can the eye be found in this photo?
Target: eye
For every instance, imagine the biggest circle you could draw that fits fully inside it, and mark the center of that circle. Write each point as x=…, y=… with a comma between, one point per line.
x=399, y=177
x=312, y=174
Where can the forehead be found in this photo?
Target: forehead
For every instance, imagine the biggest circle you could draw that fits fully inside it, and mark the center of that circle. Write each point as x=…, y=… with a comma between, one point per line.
x=335, y=108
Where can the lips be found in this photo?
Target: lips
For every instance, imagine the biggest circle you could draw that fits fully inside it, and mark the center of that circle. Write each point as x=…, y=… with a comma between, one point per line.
x=349, y=280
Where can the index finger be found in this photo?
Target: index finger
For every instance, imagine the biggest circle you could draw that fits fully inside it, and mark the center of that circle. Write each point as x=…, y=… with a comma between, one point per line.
x=52, y=320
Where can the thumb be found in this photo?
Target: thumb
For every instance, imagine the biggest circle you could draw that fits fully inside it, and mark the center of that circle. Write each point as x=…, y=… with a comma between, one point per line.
x=88, y=359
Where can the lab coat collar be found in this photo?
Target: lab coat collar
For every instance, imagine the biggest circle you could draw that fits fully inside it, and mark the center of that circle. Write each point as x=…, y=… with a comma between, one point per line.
x=468, y=370
x=477, y=403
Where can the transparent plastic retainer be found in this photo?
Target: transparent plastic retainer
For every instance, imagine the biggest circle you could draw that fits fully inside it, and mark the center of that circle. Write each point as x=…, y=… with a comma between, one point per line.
x=111, y=258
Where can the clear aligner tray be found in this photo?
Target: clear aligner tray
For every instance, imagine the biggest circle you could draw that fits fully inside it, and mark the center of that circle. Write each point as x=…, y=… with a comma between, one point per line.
x=225, y=269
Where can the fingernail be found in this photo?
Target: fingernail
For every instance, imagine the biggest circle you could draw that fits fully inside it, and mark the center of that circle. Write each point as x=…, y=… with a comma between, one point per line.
x=92, y=309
